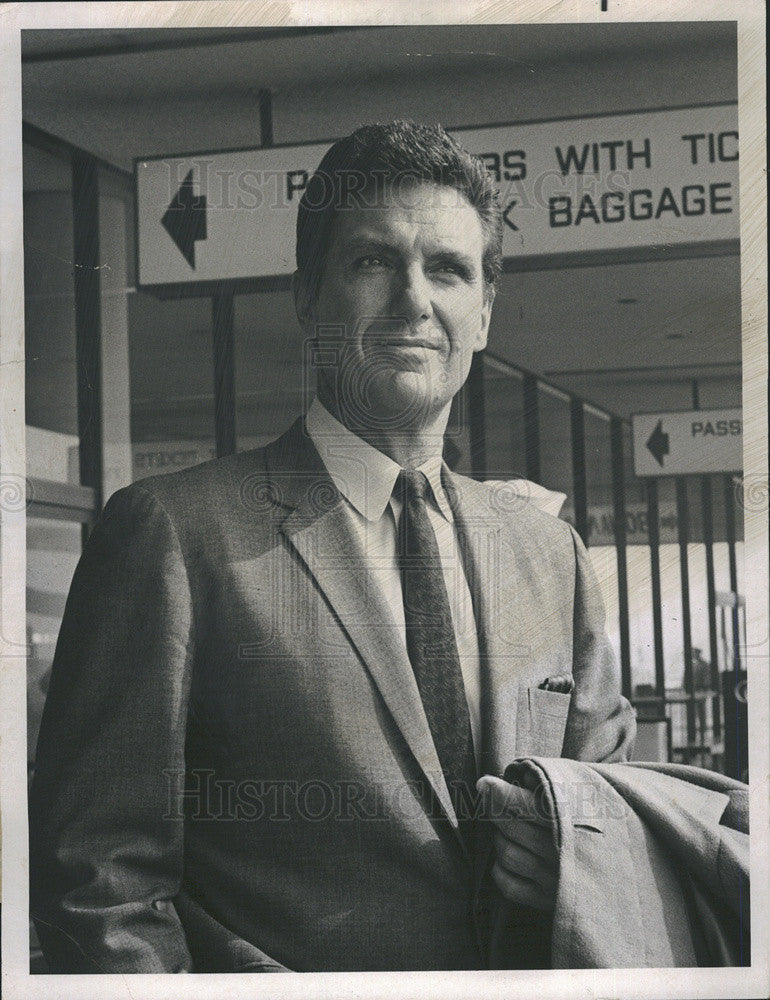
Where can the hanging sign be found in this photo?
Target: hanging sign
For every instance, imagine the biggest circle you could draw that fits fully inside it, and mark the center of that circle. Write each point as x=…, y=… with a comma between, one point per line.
x=589, y=184
x=684, y=443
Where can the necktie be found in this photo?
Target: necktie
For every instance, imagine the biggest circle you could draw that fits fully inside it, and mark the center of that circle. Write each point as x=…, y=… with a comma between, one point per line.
x=431, y=642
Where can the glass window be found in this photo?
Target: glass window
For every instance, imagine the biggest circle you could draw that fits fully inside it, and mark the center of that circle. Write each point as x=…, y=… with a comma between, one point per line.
x=640, y=622
x=601, y=517
x=49, y=318
x=172, y=383
x=116, y=231
x=730, y=609
x=670, y=587
x=639, y=575
x=598, y=460
x=53, y=549
x=696, y=561
x=274, y=375
x=556, y=444
x=605, y=565
x=504, y=422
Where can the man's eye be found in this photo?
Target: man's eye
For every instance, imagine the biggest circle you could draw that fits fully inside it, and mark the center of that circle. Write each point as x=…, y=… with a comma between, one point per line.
x=452, y=270
x=371, y=261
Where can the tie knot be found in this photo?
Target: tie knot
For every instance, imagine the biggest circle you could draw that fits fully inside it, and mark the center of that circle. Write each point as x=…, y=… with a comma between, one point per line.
x=411, y=484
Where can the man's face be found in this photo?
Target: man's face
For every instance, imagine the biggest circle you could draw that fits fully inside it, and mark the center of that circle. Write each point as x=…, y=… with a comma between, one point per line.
x=403, y=283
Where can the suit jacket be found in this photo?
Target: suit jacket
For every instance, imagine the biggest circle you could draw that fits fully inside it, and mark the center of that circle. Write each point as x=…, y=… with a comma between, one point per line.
x=653, y=866
x=234, y=768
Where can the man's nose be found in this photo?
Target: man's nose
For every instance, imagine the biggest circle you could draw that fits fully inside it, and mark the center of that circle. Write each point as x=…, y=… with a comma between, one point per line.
x=413, y=294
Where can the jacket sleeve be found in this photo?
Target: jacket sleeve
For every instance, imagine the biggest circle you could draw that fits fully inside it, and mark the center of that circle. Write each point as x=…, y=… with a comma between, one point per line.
x=601, y=724
x=106, y=852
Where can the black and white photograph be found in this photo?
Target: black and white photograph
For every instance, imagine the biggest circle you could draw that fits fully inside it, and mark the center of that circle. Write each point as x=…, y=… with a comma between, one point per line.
x=384, y=500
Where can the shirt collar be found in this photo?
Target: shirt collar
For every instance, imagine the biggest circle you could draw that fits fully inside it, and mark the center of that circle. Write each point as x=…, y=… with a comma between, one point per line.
x=361, y=473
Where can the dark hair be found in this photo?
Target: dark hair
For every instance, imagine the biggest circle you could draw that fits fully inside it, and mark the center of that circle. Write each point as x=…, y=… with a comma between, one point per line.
x=385, y=154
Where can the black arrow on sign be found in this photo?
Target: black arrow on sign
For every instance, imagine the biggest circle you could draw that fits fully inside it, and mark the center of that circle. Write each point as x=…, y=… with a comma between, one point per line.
x=185, y=219
x=658, y=443
x=505, y=215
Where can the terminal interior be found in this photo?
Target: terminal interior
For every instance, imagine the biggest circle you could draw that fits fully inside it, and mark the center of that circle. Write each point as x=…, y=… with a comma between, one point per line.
x=578, y=342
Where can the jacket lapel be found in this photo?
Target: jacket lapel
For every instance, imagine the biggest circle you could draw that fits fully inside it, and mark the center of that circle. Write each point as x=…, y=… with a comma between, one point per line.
x=478, y=509
x=318, y=529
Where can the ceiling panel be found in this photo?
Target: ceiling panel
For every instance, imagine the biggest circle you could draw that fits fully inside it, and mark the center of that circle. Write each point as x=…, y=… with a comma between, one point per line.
x=171, y=63
x=658, y=314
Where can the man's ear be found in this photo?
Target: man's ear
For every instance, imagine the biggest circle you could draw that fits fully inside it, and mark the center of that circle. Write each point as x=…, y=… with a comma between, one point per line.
x=486, y=315
x=303, y=300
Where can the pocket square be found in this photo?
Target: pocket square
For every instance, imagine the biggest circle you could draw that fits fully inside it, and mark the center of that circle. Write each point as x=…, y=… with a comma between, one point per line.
x=559, y=682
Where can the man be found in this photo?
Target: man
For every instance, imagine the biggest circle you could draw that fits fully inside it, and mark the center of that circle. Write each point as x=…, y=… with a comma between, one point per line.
x=280, y=674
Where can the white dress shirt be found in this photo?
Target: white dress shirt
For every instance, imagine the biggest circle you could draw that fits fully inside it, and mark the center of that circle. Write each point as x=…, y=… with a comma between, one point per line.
x=365, y=477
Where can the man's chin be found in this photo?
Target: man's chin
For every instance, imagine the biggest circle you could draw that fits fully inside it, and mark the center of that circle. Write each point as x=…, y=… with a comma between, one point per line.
x=397, y=400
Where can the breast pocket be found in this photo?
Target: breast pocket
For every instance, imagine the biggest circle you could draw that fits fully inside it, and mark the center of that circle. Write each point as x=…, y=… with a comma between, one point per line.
x=542, y=721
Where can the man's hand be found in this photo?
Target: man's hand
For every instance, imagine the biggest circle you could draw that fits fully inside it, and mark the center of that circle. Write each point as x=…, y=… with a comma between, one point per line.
x=526, y=863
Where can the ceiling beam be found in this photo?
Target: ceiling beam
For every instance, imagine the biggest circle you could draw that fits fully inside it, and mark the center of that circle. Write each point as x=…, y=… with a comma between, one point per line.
x=170, y=38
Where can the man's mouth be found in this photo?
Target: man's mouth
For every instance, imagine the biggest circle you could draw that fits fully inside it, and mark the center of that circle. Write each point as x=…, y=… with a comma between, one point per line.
x=387, y=339
x=409, y=344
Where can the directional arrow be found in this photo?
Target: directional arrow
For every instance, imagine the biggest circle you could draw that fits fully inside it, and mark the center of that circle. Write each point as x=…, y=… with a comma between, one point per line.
x=657, y=443
x=505, y=215
x=185, y=219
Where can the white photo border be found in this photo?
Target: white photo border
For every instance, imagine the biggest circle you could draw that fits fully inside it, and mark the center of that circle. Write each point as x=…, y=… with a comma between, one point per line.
x=17, y=983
